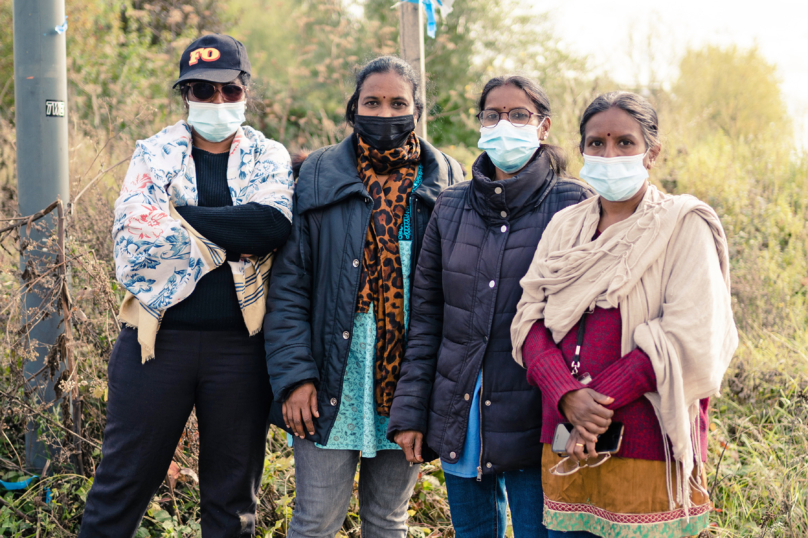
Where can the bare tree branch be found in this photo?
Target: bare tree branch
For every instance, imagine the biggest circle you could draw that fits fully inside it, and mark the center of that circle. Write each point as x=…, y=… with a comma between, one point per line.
x=29, y=219
x=95, y=179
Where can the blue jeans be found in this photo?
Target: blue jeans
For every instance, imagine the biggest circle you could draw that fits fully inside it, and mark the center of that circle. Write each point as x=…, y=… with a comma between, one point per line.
x=573, y=534
x=479, y=508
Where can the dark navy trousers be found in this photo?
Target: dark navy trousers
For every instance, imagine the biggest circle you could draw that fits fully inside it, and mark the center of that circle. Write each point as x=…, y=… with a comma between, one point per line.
x=222, y=374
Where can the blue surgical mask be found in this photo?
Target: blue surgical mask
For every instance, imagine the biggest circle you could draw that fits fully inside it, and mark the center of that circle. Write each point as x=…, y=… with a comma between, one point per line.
x=215, y=121
x=509, y=147
x=615, y=178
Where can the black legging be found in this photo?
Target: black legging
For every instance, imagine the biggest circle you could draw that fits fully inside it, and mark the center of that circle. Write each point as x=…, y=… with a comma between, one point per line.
x=224, y=375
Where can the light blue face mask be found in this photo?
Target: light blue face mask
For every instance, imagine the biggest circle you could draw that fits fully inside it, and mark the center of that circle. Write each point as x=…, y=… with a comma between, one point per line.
x=615, y=178
x=214, y=121
x=509, y=147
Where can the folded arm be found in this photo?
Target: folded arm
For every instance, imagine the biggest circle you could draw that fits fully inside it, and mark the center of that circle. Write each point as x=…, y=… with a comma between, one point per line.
x=243, y=229
x=627, y=379
x=545, y=365
x=584, y=407
x=146, y=237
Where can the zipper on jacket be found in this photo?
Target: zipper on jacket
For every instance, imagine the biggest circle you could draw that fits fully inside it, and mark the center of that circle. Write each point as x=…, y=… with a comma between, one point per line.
x=413, y=235
x=480, y=407
x=412, y=217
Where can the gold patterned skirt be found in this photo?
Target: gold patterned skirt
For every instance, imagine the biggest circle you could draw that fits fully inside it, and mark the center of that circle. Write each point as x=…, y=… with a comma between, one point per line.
x=623, y=498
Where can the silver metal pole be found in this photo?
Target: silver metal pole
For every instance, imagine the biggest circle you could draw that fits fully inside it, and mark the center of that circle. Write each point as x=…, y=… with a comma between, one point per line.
x=411, y=33
x=422, y=68
x=40, y=92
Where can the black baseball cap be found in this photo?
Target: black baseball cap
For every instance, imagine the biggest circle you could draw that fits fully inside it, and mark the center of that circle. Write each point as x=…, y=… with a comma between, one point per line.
x=214, y=58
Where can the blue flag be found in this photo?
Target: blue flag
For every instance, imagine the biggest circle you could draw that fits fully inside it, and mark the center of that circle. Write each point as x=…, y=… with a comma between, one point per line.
x=429, y=5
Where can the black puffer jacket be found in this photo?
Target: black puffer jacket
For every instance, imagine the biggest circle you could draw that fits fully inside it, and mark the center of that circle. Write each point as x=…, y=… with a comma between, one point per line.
x=315, y=277
x=478, y=245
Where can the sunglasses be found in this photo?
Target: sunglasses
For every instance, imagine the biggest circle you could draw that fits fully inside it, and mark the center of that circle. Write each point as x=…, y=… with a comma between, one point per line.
x=205, y=91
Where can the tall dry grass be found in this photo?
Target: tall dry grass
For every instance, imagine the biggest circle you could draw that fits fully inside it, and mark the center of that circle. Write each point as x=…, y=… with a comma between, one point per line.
x=759, y=423
x=758, y=461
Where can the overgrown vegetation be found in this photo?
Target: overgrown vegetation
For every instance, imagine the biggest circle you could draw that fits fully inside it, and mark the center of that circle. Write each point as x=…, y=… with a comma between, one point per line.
x=727, y=141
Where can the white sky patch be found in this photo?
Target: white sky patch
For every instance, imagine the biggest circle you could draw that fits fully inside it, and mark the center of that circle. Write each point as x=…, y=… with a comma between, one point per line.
x=604, y=31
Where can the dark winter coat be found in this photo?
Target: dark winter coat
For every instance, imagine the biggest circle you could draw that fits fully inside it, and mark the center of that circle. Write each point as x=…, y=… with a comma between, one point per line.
x=315, y=277
x=478, y=245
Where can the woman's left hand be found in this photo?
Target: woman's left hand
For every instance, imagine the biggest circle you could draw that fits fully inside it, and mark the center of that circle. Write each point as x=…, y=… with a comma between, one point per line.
x=581, y=444
x=410, y=442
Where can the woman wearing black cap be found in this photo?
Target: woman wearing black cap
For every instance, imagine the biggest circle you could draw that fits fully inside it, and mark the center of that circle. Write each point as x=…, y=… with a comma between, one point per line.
x=204, y=204
x=339, y=305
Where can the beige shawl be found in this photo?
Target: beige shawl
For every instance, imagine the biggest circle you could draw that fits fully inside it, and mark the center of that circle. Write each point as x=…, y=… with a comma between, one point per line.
x=667, y=268
x=251, y=281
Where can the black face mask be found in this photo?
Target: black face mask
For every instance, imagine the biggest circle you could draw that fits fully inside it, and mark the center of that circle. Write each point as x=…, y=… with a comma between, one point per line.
x=384, y=133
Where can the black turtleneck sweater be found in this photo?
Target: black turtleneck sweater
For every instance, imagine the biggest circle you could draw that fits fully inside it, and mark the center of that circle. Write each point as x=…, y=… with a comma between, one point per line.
x=245, y=229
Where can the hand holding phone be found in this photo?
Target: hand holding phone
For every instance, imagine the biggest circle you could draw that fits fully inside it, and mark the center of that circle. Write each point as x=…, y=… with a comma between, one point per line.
x=608, y=442
x=581, y=446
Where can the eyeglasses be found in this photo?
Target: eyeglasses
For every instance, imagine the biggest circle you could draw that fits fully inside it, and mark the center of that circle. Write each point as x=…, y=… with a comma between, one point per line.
x=205, y=91
x=567, y=466
x=517, y=116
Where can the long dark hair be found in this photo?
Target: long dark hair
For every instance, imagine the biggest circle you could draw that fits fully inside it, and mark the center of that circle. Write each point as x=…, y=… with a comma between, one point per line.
x=558, y=158
x=634, y=105
x=384, y=64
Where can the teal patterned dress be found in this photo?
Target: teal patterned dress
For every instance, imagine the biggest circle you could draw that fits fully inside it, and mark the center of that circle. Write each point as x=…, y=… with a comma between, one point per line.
x=357, y=426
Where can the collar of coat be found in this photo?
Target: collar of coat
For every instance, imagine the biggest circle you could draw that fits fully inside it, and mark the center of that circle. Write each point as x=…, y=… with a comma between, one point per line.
x=329, y=176
x=517, y=194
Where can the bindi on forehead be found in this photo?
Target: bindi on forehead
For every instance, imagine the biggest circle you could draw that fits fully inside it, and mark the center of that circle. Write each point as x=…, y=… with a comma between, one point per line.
x=608, y=134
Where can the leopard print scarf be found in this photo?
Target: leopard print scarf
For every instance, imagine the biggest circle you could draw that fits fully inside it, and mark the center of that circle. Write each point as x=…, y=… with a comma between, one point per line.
x=382, y=280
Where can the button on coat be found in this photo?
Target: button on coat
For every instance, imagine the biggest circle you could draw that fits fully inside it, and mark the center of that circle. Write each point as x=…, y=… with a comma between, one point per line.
x=314, y=282
x=465, y=293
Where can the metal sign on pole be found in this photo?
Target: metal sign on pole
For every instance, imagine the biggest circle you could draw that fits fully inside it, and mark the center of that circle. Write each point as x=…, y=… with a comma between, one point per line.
x=412, y=51
x=40, y=93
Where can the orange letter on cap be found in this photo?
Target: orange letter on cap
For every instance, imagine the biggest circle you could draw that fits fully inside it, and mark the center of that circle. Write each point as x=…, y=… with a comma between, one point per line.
x=211, y=55
x=195, y=56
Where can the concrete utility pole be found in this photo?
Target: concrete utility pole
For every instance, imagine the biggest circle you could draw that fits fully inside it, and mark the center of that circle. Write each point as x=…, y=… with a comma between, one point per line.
x=411, y=30
x=40, y=94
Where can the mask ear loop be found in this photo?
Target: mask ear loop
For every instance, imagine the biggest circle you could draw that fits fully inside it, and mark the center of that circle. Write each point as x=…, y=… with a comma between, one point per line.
x=646, y=154
x=538, y=129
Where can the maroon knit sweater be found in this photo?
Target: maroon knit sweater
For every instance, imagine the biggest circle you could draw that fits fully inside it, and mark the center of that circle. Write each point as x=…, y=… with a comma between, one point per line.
x=624, y=378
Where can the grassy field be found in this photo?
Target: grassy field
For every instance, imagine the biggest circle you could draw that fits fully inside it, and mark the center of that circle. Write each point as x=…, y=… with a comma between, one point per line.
x=743, y=164
x=758, y=461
